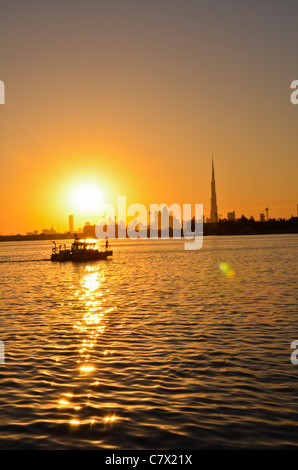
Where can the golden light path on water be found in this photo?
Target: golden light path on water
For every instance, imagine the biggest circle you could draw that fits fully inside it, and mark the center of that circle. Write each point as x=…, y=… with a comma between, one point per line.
x=92, y=297
x=157, y=346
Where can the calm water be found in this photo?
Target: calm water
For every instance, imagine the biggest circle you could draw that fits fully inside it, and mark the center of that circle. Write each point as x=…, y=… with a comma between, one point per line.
x=154, y=349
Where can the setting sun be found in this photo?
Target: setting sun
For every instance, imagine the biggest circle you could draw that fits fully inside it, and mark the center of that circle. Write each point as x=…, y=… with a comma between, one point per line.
x=87, y=198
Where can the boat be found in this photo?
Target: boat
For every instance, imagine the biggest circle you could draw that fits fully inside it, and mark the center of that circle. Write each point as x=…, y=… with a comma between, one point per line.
x=80, y=251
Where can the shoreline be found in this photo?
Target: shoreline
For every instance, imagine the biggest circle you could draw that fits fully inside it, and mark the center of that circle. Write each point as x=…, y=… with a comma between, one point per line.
x=221, y=228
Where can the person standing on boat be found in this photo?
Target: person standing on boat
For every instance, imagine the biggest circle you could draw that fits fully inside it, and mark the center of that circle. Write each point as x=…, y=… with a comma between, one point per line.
x=107, y=243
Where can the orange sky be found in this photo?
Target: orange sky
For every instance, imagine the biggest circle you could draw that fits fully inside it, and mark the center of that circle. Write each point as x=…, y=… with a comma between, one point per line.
x=135, y=96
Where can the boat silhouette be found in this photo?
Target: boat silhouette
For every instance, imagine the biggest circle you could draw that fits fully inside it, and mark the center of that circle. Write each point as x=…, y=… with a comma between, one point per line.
x=80, y=251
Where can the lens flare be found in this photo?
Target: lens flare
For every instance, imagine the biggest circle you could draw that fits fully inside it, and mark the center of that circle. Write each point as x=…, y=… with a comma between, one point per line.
x=226, y=270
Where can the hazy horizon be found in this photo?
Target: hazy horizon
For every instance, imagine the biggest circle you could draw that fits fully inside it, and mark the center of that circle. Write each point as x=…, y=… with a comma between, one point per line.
x=135, y=97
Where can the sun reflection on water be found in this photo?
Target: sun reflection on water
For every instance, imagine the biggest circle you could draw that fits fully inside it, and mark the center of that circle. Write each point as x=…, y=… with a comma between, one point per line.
x=74, y=422
x=110, y=419
x=91, y=297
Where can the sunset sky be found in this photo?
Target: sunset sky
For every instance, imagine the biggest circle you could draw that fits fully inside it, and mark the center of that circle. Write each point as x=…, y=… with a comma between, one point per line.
x=133, y=97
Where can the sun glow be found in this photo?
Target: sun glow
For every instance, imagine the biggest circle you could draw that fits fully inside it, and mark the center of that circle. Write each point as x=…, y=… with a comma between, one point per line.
x=87, y=198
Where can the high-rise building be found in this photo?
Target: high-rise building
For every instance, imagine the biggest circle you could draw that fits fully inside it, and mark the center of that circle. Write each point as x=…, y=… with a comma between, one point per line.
x=213, y=211
x=231, y=216
x=70, y=221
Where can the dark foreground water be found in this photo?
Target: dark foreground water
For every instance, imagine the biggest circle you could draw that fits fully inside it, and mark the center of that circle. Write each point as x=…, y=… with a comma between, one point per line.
x=155, y=349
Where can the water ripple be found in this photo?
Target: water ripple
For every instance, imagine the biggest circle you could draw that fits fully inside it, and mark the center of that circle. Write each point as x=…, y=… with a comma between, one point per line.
x=155, y=348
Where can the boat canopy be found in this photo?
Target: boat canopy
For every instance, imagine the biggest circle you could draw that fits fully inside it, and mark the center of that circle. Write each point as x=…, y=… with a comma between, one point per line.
x=83, y=245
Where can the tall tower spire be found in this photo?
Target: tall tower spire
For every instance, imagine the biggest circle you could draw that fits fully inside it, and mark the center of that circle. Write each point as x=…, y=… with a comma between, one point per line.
x=213, y=211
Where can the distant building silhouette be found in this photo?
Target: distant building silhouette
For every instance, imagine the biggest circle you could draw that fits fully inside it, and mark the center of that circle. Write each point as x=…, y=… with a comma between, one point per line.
x=213, y=210
x=262, y=217
x=89, y=230
x=49, y=231
x=231, y=216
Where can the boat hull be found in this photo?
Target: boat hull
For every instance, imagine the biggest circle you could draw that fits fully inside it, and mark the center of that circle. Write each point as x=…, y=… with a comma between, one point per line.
x=81, y=256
